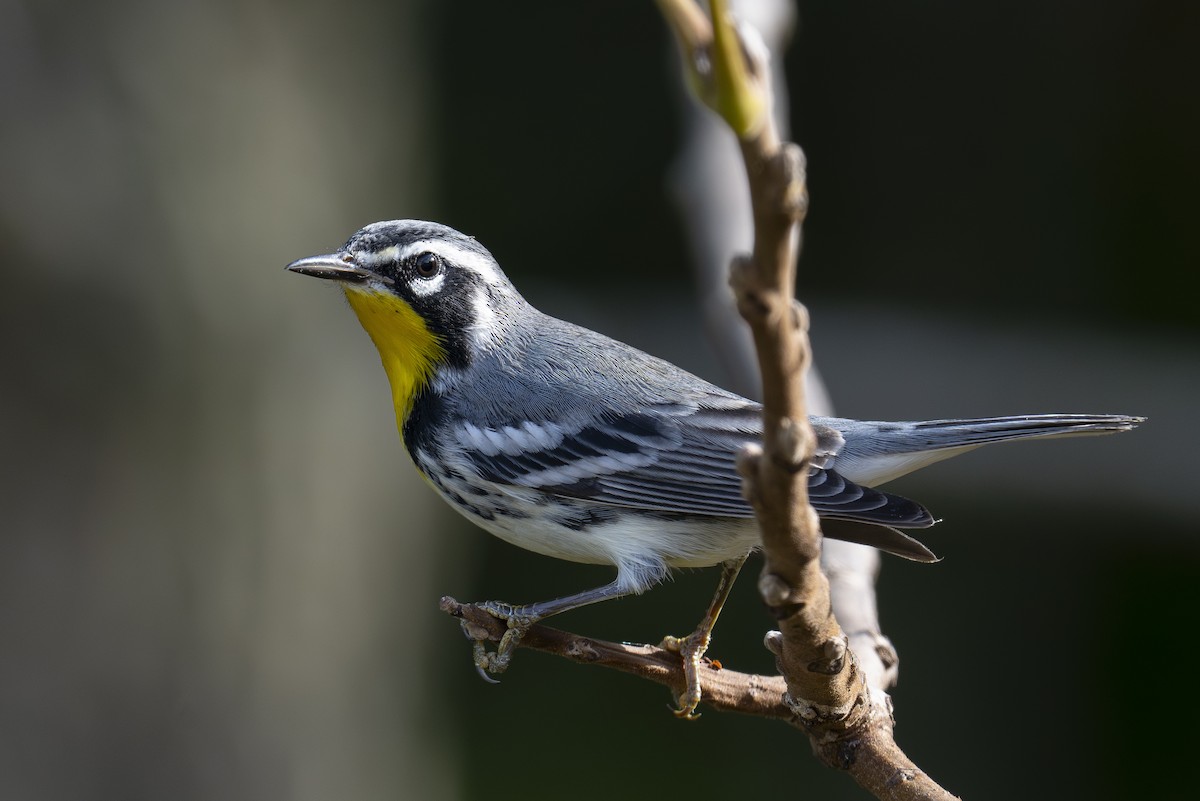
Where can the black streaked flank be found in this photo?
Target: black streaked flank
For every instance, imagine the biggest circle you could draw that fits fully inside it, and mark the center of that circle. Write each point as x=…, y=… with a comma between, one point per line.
x=578, y=518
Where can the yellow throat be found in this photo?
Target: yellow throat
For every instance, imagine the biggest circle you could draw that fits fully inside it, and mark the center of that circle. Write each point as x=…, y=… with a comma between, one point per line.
x=407, y=348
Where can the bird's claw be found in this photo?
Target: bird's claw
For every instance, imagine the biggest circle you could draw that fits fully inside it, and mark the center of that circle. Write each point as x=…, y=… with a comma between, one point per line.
x=495, y=662
x=691, y=650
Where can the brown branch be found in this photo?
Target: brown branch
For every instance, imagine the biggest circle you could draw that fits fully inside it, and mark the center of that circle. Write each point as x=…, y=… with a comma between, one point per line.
x=821, y=689
x=876, y=767
x=706, y=183
x=825, y=687
x=725, y=690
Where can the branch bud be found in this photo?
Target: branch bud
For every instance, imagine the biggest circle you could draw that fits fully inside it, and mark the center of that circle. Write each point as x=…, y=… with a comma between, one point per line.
x=775, y=591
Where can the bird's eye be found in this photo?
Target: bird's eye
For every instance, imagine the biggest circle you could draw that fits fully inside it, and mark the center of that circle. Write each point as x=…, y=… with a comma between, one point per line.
x=428, y=265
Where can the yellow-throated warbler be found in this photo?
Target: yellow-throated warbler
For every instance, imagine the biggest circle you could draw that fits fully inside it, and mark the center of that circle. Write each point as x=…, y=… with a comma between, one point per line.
x=568, y=443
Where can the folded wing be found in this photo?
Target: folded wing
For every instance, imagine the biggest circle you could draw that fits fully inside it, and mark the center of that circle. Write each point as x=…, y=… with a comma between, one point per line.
x=681, y=460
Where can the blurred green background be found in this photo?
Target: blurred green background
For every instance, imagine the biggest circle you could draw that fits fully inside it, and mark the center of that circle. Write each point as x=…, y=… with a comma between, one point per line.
x=219, y=573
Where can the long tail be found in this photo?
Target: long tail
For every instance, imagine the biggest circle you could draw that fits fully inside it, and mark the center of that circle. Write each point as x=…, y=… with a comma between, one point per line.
x=878, y=452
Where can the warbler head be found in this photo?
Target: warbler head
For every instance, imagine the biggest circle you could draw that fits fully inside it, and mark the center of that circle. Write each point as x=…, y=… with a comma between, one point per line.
x=429, y=297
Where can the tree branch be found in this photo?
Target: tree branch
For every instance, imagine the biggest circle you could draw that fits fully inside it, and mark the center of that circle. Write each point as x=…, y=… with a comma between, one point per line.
x=825, y=688
x=822, y=689
x=882, y=770
x=709, y=187
x=725, y=690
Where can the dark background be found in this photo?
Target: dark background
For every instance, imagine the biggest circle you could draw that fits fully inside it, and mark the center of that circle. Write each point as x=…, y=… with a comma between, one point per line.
x=219, y=573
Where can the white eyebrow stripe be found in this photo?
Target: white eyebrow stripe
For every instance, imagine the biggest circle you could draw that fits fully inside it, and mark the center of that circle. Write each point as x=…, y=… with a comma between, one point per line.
x=373, y=258
x=472, y=260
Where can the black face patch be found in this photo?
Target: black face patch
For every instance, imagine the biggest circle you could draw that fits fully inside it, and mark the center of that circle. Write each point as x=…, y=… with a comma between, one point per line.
x=448, y=311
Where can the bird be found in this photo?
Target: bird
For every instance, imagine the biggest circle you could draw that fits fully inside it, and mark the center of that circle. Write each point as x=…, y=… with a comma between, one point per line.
x=565, y=442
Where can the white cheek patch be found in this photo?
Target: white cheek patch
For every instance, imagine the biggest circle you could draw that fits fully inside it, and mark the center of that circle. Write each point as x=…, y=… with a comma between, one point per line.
x=483, y=328
x=427, y=286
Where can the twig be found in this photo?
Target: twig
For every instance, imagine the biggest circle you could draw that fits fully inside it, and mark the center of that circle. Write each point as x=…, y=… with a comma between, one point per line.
x=725, y=690
x=877, y=769
x=709, y=187
x=821, y=689
x=825, y=687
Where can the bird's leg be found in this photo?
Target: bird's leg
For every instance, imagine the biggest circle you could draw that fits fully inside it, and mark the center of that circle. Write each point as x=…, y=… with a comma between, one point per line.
x=521, y=618
x=692, y=647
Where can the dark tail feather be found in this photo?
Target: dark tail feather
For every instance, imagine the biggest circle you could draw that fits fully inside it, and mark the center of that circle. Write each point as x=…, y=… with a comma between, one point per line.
x=864, y=515
x=885, y=538
x=956, y=433
x=837, y=497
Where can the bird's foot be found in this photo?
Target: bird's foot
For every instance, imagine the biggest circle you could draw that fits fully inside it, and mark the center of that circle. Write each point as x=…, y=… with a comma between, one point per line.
x=519, y=620
x=691, y=649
